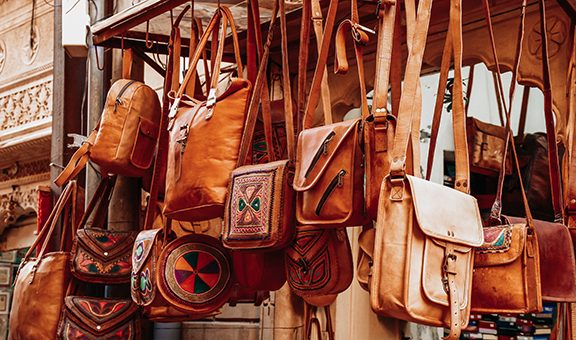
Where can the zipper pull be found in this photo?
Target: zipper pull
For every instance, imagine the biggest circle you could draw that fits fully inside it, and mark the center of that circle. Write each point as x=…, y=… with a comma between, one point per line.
x=340, y=175
x=325, y=144
x=117, y=102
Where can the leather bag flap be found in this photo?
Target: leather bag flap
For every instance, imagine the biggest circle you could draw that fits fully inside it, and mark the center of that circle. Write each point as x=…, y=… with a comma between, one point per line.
x=316, y=149
x=446, y=214
x=105, y=245
x=502, y=244
x=487, y=128
x=143, y=248
x=148, y=128
x=100, y=315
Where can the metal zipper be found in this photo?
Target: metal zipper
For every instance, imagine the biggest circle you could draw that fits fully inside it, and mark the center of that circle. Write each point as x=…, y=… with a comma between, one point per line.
x=323, y=150
x=335, y=183
x=118, y=100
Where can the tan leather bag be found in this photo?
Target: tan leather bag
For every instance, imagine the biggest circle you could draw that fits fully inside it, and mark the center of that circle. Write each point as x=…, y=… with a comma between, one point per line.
x=205, y=136
x=43, y=282
x=123, y=142
x=260, y=206
x=426, y=232
x=329, y=178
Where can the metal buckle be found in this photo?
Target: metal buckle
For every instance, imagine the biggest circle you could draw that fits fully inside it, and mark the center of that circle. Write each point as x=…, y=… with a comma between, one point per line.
x=174, y=108
x=448, y=268
x=210, y=103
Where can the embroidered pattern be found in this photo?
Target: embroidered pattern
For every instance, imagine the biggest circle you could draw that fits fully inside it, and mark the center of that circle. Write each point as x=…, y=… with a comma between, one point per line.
x=307, y=269
x=72, y=331
x=87, y=264
x=250, y=210
x=496, y=239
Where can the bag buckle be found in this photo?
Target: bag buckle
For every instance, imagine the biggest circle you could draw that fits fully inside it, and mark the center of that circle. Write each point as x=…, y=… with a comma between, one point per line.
x=210, y=103
x=174, y=108
x=448, y=268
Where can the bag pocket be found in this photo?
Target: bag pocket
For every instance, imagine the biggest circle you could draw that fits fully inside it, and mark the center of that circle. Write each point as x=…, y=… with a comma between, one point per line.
x=144, y=144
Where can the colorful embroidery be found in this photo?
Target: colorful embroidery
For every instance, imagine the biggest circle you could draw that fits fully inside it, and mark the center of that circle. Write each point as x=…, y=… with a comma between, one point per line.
x=251, y=212
x=72, y=331
x=496, y=239
x=84, y=262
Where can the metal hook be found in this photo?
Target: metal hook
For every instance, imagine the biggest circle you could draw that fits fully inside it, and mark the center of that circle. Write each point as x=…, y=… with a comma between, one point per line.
x=98, y=59
x=148, y=43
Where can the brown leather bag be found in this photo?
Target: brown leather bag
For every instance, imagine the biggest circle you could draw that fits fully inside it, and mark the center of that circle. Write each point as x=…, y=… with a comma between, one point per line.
x=99, y=255
x=125, y=137
x=98, y=318
x=260, y=206
x=426, y=232
x=319, y=264
x=205, y=136
x=43, y=282
x=329, y=178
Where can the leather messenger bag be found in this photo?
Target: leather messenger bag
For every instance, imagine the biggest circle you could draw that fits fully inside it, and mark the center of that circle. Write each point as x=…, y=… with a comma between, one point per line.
x=426, y=233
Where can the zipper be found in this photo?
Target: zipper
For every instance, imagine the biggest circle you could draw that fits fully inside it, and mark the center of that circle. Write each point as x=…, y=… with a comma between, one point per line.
x=335, y=183
x=118, y=100
x=323, y=150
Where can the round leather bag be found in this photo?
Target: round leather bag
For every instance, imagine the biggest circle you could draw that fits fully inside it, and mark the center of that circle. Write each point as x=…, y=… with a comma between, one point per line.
x=195, y=274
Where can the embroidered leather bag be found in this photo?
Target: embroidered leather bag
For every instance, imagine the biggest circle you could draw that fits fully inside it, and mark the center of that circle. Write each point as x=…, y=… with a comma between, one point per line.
x=426, y=232
x=205, y=136
x=42, y=282
x=194, y=274
x=99, y=318
x=128, y=130
x=319, y=264
x=329, y=177
x=260, y=207
x=99, y=255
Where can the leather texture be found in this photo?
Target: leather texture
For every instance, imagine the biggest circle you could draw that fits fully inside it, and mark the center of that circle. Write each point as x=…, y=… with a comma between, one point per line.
x=507, y=271
x=98, y=318
x=42, y=282
x=194, y=274
x=205, y=139
x=102, y=256
x=486, y=145
x=319, y=264
x=329, y=175
x=365, y=256
x=258, y=270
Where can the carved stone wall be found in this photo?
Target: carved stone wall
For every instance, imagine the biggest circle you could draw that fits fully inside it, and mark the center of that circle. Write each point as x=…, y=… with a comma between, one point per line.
x=26, y=105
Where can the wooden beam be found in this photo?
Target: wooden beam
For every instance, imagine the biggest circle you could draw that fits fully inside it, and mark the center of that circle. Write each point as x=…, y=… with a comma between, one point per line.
x=154, y=65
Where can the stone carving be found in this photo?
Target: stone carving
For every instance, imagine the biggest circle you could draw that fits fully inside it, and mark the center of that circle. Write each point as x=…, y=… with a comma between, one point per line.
x=16, y=204
x=2, y=55
x=556, y=29
x=25, y=106
x=31, y=45
x=24, y=170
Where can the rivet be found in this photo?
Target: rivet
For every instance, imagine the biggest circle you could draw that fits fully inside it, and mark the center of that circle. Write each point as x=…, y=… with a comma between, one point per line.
x=573, y=201
x=105, y=253
x=458, y=184
x=465, y=184
x=98, y=327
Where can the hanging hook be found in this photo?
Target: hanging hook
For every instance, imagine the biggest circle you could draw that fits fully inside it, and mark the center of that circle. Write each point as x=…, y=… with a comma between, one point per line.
x=148, y=43
x=97, y=59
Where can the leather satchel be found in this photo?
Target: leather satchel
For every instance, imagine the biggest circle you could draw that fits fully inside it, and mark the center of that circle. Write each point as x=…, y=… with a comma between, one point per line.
x=260, y=206
x=205, y=136
x=99, y=318
x=42, y=282
x=485, y=143
x=99, y=255
x=319, y=264
x=329, y=177
x=127, y=132
x=426, y=232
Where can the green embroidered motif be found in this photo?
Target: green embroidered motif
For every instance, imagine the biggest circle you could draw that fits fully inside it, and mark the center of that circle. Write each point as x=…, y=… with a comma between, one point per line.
x=256, y=204
x=241, y=205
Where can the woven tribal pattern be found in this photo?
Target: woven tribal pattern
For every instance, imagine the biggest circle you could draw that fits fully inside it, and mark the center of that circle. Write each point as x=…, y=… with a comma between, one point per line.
x=84, y=262
x=496, y=239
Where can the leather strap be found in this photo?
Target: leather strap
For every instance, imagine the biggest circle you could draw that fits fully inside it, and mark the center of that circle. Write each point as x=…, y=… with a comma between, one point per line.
x=450, y=272
x=77, y=161
x=396, y=64
x=127, y=62
x=570, y=173
x=101, y=197
x=469, y=88
x=303, y=63
x=499, y=98
x=314, y=96
x=523, y=111
x=386, y=32
x=324, y=88
x=553, y=162
x=287, y=88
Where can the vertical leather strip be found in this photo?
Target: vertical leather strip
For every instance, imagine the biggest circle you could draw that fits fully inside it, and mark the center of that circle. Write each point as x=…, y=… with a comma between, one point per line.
x=324, y=87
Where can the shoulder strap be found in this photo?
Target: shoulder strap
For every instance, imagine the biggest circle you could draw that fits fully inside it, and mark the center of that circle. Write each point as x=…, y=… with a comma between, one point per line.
x=101, y=198
x=523, y=111
x=570, y=173
x=303, y=53
x=324, y=88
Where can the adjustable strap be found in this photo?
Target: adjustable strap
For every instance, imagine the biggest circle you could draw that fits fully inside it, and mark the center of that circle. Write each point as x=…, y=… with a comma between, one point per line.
x=314, y=96
x=449, y=278
x=324, y=88
x=77, y=161
x=303, y=63
x=386, y=32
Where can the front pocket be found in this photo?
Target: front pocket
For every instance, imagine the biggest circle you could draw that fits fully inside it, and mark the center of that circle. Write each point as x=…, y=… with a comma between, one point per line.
x=144, y=144
x=336, y=182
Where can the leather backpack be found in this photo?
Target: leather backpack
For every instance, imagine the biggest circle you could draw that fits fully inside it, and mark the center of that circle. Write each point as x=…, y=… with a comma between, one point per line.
x=124, y=140
x=99, y=255
x=42, y=283
x=426, y=232
x=260, y=206
x=205, y=136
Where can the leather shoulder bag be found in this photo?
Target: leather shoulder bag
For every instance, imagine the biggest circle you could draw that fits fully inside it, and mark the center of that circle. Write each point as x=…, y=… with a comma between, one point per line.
x=42, y=282
x=205, y=136
x=329, y=177
x=260, y=207
x=99, y=255
x=99, y=318
x=426, y=232
x=125, y=137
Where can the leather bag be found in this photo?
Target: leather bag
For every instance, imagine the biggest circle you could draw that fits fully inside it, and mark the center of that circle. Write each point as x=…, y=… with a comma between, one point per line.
x=329, y=177
x=426, y=232
x=99, y=255
x=99, y=318
x=42, y=282
x=319, y=264
x=194, y=274
x=205, y=136
x=128, y=130
x=260, y=206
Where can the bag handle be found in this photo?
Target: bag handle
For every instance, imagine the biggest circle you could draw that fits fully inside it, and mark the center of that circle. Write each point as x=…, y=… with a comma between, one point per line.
x=101, y=197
